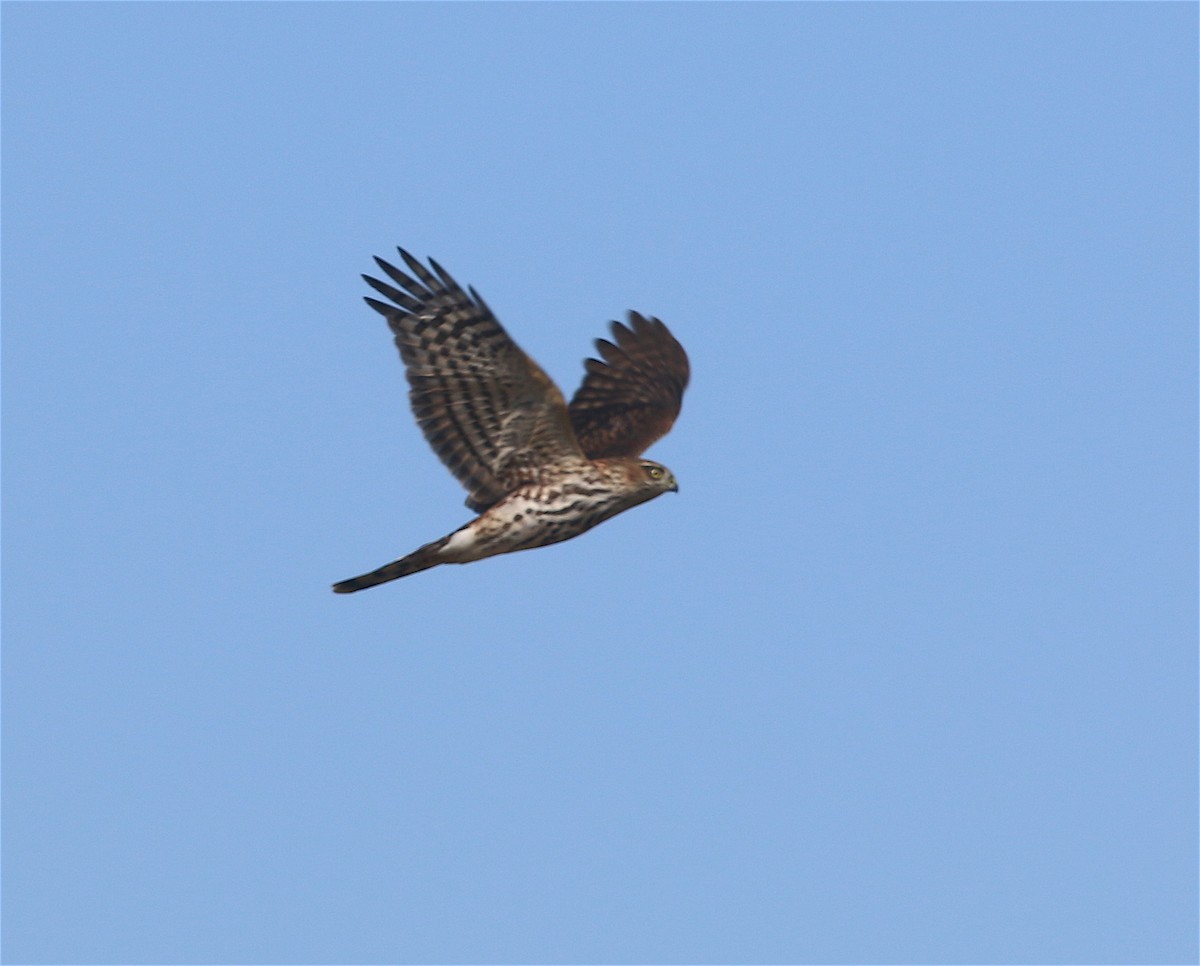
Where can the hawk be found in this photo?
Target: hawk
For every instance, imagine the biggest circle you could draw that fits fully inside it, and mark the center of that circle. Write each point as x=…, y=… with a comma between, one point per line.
x=537, y=471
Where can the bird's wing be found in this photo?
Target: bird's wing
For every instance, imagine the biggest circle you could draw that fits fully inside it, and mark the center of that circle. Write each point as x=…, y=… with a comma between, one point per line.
x=632, y=397
x=487, y=409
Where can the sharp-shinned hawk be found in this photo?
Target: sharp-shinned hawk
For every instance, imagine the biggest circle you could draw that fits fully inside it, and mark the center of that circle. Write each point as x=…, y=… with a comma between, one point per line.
x=536, y=470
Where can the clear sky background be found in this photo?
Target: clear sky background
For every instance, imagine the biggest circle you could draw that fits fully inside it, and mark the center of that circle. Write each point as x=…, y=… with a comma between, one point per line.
x=907, y=670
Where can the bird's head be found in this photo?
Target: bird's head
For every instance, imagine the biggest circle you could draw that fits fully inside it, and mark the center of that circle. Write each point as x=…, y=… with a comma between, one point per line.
x=657, y=477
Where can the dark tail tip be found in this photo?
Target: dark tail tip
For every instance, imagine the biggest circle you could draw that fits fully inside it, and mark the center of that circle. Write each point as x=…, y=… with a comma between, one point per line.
x=380, y=576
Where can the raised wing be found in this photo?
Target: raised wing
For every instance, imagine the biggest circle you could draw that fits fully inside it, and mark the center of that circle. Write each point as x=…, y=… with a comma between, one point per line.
x=632, y=397
x=487, y=409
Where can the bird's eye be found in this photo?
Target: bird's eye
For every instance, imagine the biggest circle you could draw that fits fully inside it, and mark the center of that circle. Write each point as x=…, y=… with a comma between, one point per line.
x=655, y=473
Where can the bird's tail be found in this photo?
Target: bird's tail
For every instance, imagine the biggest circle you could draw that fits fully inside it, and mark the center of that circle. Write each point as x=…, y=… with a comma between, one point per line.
x=415, y=562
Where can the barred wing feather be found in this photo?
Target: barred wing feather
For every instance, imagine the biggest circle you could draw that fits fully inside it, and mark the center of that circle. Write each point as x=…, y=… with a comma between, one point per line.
x=486, y=408
x=631, y=396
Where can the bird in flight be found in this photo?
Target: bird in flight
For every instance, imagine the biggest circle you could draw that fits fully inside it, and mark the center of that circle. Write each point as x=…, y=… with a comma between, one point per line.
x=537, y=471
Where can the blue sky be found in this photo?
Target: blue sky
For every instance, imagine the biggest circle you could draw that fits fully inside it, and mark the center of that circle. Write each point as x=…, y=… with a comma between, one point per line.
x=907, y=670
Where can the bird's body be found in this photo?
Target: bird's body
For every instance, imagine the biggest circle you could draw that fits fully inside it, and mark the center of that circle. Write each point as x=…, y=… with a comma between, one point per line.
x=539, y=472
